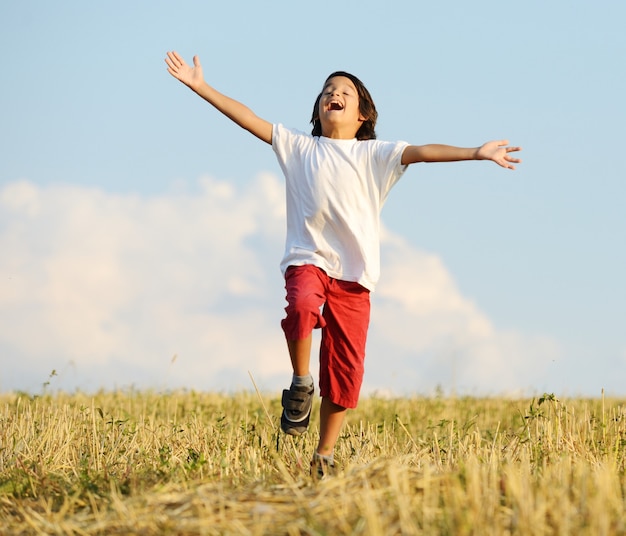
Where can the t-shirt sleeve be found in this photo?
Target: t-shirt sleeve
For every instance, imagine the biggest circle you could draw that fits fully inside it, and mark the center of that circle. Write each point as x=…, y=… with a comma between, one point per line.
x=388, y=161
x=286, y=143
x=280, y=143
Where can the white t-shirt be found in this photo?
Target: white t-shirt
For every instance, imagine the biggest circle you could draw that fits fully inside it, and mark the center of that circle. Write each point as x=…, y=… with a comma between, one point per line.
x=335, y=193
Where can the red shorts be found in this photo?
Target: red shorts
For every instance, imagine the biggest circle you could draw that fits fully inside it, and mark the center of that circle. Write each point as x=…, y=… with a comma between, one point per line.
x=342, y=310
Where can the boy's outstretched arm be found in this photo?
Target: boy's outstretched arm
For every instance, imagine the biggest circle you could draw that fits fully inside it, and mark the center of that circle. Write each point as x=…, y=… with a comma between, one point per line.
x=193, y=78
x=496, y=151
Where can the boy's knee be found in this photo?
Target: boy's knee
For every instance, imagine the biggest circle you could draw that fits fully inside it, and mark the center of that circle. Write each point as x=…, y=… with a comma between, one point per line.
x=303, y=315
x=333, y=406
x=303, y=306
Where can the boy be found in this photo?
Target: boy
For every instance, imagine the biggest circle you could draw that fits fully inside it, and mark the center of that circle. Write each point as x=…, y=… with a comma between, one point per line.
x=337, y=180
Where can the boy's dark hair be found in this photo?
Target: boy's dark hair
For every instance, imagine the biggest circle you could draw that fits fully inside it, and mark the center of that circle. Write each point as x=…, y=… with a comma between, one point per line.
x=366, y=108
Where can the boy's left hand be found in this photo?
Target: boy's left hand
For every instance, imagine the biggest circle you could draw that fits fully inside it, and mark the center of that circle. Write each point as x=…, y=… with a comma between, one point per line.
x=499, y=153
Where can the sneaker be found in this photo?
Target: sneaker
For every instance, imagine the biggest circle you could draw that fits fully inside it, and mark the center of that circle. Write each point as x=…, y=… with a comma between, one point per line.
x=321, y=467
x=297, y=402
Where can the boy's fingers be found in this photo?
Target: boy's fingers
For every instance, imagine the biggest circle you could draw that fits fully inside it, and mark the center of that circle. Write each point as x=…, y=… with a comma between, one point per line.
x=175, y=59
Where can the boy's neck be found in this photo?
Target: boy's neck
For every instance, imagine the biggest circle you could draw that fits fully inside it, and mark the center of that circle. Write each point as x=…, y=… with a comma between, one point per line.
x=339, y=132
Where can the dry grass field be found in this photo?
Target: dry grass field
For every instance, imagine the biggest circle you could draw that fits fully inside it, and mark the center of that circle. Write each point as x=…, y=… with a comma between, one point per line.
x=186, y=463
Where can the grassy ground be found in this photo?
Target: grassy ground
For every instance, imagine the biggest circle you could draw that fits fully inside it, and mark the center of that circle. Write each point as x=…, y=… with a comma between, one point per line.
x=200, y=463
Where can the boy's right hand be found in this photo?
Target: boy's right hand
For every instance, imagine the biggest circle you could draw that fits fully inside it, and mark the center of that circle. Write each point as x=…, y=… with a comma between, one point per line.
x=193, y=78
x=178, y=68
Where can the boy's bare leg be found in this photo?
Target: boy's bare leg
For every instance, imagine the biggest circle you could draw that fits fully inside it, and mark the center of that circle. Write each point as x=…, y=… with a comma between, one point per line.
x=300, y=354
x=331, y=421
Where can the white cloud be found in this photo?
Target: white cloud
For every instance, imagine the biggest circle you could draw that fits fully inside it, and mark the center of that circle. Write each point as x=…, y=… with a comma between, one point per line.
x=183, y=290
x=433, y=335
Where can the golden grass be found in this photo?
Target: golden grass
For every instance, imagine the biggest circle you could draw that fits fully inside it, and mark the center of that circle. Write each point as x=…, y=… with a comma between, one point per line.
x=200, y=463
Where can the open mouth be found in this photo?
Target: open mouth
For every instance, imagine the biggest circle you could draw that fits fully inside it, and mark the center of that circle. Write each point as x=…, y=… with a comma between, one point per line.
x=334, y=105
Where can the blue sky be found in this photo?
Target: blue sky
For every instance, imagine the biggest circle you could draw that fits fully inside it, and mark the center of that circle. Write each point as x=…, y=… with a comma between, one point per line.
x=141, y=231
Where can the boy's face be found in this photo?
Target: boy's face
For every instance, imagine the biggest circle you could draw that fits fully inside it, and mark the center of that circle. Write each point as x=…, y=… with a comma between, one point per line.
x=339, y=106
